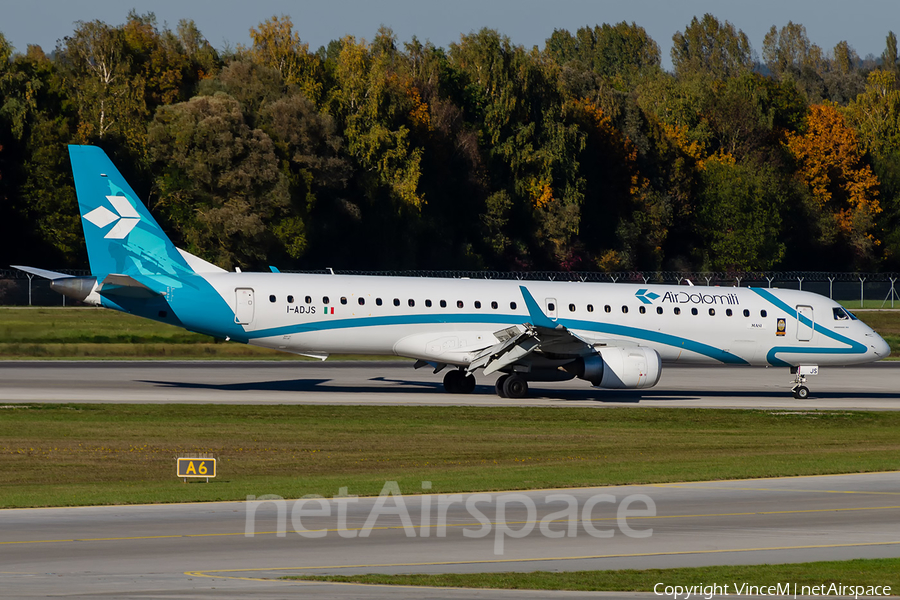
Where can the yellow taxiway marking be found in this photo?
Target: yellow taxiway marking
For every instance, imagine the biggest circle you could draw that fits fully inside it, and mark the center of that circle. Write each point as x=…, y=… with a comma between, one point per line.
x=689, y=486
x=217, y=572
x=449, y=525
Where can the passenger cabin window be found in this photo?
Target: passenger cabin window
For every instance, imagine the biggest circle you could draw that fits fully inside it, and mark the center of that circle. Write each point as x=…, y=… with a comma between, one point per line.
x=325, y=300
x=512, y=306
x=607, y=308
x=272, y=298
x=443, y=304
x=728, y=312
x=659, y=310
x=571, y=308
x=712, y=312
x=677, y=310
x=308, y=299
x=642, y=309
x=411, y=302
x=290, y=299
x=478, y=304
x=494, y=305
x=624, y=309
x=746, y=313
x=551, y=307
x=459, y=304
x=590, y=307
x=396, y=301
x=762, y=313
x=343, y=299
x=694, y=311
x=362, y=301
x=428, y=303
x=377, y=301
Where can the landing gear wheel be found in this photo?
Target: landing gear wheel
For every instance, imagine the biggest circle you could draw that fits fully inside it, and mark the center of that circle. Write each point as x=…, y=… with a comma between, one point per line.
x=801, y=392
x=453, y=382
x=468, y=384
x=457, y=382
x=501, y=381
x=515, y=387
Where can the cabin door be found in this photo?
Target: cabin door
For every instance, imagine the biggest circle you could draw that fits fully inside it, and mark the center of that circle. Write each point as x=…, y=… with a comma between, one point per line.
x=243, y=306
x=805, y=323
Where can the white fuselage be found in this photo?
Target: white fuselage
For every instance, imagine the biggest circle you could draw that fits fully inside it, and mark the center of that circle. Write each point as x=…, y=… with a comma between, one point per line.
x=450, y=320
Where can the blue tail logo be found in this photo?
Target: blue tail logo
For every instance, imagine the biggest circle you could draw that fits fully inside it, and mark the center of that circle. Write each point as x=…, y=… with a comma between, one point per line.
x=125, y=218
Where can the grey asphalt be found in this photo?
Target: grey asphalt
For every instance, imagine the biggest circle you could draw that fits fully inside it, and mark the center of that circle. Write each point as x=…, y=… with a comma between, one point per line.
x=234, y=549
x=870, y=387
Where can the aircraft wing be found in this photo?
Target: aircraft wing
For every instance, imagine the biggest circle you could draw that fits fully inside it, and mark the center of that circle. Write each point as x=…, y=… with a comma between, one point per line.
x=541, y=334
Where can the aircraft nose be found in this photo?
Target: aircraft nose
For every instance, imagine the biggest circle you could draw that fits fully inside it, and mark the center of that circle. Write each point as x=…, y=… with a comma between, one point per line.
x=879, y=347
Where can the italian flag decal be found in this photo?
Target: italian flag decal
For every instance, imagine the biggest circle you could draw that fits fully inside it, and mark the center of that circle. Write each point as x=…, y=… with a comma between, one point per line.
x=329, y=310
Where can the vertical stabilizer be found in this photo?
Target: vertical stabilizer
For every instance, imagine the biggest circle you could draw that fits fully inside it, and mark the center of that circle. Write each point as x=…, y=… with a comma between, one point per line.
x=122, y=236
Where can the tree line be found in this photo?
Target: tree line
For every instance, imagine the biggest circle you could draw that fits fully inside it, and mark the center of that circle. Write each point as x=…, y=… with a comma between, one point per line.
x=581, y=155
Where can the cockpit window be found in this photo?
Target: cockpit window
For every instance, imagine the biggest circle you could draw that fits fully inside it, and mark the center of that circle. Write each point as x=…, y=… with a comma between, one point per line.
x=840, y=314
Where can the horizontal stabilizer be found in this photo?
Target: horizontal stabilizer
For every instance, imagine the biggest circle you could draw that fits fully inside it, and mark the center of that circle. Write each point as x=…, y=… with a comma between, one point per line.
x=42, y=272
x=126, y=286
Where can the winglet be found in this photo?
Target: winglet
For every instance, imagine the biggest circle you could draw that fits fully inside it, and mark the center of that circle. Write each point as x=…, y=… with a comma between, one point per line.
x=538, y=318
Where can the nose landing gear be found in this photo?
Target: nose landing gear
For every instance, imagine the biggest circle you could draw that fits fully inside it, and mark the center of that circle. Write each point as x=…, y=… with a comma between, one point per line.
x=801, y=392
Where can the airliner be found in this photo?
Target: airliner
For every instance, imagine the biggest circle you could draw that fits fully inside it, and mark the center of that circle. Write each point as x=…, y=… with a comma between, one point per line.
x=612, y=335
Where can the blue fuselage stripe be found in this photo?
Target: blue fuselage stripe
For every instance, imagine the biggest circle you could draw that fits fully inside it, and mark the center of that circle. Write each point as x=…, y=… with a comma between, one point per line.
x=854, y=347
x=505, y=320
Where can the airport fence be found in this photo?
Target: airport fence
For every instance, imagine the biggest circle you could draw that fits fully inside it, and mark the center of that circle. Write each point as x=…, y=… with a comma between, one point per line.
x=869, y=290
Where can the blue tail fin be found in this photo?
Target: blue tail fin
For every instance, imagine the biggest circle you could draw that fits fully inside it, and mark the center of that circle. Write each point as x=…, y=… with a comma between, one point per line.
x=121, y=235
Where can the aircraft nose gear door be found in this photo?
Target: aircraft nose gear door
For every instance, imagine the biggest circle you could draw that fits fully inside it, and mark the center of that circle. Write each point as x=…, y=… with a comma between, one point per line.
x=243, y=306
x=804, y=323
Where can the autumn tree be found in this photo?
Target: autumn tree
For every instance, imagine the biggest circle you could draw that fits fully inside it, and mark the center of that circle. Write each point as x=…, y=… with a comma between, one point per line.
x=219, y=186
x=889, y=56
x=618, y=53
x=842, y=186
x=97, y=70
x=789, y=54
x=277, y=45
x=875, y=114
x=709, y=46
x=739, y=218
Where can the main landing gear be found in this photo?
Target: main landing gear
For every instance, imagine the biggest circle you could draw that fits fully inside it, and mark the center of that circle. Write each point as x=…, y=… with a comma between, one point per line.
x=511, y=386
x=458, y=382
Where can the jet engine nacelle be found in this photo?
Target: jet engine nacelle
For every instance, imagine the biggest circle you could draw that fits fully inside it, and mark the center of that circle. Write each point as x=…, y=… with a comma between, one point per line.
x=620, y=368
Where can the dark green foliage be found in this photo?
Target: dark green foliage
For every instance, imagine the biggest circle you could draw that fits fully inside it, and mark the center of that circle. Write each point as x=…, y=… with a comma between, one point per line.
x=384, y=155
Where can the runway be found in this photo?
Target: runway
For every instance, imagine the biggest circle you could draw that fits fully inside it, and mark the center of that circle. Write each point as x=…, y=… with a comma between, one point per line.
x=235, y=549
x=869, y=387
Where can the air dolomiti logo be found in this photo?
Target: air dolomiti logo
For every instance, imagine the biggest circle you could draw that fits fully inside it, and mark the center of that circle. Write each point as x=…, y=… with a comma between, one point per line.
x=125, y=217
x=644, y=297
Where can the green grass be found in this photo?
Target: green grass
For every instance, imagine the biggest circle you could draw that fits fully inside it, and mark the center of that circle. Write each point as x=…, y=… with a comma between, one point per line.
x=861, y=572
x=96, y=333
x=870, y=304
x=54, y=455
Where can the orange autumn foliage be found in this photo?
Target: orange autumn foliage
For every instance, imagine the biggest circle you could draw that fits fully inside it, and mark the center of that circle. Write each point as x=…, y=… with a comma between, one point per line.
x=830, y=162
